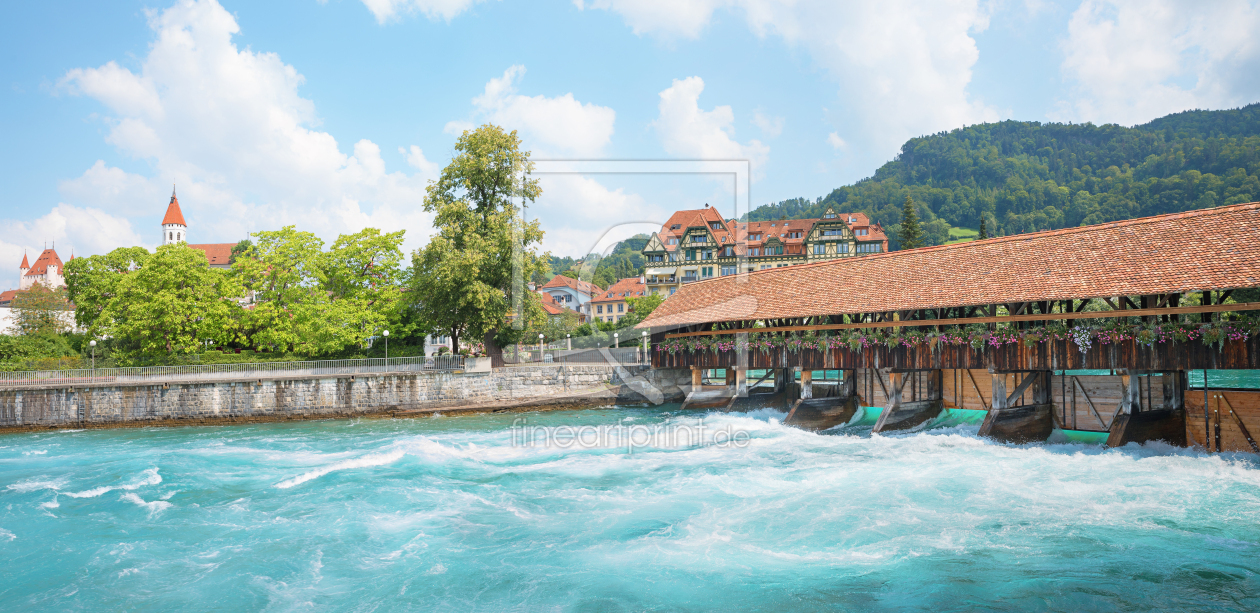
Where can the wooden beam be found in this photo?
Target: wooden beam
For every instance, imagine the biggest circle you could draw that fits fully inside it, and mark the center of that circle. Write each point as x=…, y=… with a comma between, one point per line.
x=1022, y=387
x=1216, y=308
x=1243, y=428
x=1090, y=402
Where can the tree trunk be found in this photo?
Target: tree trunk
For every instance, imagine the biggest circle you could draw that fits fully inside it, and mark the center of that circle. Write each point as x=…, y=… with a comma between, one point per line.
x=455, y=341
x=493, y=349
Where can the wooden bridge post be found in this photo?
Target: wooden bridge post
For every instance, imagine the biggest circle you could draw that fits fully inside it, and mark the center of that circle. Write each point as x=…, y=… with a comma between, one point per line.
x=741, y=382
x=1011, y=421
x=1138, y=424
x=807, y=387
x=899, y=415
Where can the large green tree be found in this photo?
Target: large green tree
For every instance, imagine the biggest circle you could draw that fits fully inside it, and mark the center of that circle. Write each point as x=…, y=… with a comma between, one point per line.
x=469, y=281
x=174, y=304
x=93, y=282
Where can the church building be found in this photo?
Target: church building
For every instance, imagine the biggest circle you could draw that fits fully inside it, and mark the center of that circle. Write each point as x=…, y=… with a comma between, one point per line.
x=175, y=230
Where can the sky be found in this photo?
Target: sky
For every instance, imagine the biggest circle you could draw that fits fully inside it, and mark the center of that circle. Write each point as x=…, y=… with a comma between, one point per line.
x=334, y=115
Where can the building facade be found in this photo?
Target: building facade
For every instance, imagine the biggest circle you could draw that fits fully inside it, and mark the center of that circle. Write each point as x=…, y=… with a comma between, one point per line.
x=611, y=306
x=571, y=293
x=699, y=244
x=47, y=271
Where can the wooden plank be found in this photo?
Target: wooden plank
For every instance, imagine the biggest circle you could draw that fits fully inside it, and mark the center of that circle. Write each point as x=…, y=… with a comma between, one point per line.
x=1217, y=308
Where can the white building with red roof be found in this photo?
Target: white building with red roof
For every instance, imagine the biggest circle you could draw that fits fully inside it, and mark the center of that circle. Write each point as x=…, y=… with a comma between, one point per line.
x=47, y=270
x=571, y=293
x=175, y=230
x=611, y=306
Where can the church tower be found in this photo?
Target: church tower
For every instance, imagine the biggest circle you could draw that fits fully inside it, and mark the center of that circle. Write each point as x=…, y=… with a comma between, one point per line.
x=174, y=230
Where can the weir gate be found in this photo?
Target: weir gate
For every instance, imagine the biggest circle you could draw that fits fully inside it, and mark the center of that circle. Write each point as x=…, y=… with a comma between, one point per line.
x=1093, y=329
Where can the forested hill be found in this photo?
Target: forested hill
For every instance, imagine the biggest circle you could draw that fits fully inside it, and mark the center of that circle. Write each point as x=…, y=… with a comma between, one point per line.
x=1027, y=176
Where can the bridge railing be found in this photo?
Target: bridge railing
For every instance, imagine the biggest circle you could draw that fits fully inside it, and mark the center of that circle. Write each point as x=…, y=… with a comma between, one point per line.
x=218, y=372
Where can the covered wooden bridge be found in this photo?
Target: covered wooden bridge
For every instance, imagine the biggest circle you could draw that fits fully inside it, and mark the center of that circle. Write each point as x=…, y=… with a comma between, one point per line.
x=998, y=325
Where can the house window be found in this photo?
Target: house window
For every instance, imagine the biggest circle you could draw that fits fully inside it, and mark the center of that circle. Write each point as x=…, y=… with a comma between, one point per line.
x=861, y=232
x=796, y=234
x=829, y=216
x=754, y=251
x=728, y=270
x=842, y=247
x=673, y=241
x=599, y=309
x=672, y=290
x=833, y=232
x=852, y=220
x=765, y=266
x=621, y=308
x=820, y=249
x=708, y=255
x=868, y=248
x=713, y=225
x=728, y=252
x=675, y=226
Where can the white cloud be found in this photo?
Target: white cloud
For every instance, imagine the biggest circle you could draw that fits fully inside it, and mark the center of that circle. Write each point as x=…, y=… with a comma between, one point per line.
x=553, y=126
x=385, y=10
x=835, y=141
x=770, y=126
x=229, y=126
x=72, y=230
x=577, y=210
x=686, y=130
x=1134, y=61
x=903, y=65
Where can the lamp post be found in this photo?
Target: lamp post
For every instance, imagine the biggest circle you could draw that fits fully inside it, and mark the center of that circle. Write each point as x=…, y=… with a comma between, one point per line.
x=568, y=342
x=645, y=346
x=387, y=347
x=616, y=341
x=92, y=344
x=541, y=347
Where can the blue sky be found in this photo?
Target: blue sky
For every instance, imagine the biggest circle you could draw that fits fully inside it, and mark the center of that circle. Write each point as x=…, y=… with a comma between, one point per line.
x=334, y=115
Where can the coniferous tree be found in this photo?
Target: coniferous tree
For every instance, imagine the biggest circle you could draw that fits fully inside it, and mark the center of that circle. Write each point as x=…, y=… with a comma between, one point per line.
x=910, y=235
x=984, y=233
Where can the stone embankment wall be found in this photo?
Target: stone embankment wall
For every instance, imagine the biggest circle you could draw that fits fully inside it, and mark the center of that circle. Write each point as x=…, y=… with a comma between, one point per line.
x=277, y=399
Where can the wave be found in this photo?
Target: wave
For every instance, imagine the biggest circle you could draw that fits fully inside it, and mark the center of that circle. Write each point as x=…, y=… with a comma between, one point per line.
x=148, y=477
x=38, y=483
x=154, y=507
x=371, y=459
x=6, y=535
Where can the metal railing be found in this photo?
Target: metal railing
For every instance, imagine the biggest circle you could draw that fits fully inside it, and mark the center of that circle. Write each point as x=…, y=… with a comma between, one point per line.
x=214, y=372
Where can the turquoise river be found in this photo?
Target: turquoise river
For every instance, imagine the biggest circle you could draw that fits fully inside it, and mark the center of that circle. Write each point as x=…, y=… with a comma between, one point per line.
x=647, y=510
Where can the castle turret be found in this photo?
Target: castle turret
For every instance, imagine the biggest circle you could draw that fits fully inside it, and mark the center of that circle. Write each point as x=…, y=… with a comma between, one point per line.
x=174, y=230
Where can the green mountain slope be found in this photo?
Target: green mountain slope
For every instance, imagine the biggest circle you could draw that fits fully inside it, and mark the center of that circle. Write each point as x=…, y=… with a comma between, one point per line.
x=1027, y=176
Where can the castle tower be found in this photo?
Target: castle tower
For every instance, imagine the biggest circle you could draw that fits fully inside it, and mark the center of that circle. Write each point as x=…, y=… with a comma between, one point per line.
x=174, y=230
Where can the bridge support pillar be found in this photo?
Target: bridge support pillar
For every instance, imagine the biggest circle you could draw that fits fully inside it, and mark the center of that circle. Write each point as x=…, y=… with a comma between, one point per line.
x=1139, y=424
x=901, y=415
x=1023, y=423
x=807, y=387
x=741, y=382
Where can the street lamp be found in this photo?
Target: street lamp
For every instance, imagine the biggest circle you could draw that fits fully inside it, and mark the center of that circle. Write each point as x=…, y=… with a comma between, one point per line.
x=568, y=342
x=616, y=341
x=92, y=344
x=541, y=347
x=645, y=346
x=387, y=347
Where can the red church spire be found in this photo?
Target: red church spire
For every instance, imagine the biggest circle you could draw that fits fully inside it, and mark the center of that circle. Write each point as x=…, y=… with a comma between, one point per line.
x=173, y=214
x=25, y=264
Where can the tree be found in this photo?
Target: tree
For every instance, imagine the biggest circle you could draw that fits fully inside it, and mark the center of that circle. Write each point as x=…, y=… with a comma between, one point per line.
x=41, y=310
x=984, y=233
x=469, y=277
x=283, y=271
x=239, y=249
x=174, y=304
x=92, y=282
x=910, y=235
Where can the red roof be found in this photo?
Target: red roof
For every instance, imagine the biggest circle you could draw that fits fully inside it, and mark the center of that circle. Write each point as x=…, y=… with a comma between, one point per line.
x=630, y=287
x=173, y=214
x=7, y=297
x=218, y=254
x=587, y=288
x=46, y=259
x=729, y=232
x=24, y=262
x=1152, y=255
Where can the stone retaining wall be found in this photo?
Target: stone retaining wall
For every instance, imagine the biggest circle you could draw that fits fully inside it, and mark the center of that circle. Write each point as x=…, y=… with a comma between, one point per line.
x=107, y=405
